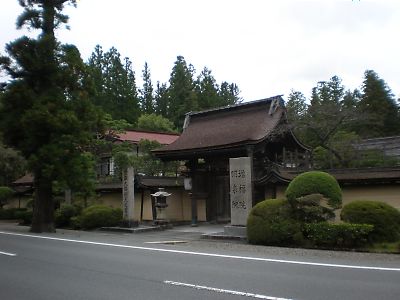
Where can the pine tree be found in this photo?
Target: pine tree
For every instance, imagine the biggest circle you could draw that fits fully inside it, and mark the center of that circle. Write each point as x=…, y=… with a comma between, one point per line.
x=229, y=94
x=161, y=99
x=146, y=93
x=181, y=94
x=46, y=113
x=115, y=84
x=381, y=111
x=207, y=90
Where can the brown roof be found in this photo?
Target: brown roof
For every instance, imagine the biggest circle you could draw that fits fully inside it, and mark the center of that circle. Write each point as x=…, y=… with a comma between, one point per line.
x=227, y=127
x=25, y=180
x=134, y=136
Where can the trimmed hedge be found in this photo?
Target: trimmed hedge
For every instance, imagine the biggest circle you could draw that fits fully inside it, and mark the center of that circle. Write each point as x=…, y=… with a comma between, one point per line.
x=25, y=217
x=315, y=182
x=96, y=216
x=343, y=235
x=64, y=214
x=385, y=218
x=10, y=213
x=270, y=223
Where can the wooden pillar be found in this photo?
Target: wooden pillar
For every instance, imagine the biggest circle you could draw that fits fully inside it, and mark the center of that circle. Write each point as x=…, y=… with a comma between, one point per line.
x=284, y=157
x=193, y=198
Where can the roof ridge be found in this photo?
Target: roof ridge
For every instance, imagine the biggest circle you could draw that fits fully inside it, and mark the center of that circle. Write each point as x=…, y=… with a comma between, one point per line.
x=228, y=107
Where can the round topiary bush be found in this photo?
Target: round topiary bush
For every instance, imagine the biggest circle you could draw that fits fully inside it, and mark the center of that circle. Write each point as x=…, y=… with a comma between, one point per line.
x=385, y=218
x=315, y=182
x=270, y=223
x=96, y=216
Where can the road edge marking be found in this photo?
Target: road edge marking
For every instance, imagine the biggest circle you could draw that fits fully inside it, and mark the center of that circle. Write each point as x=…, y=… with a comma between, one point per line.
x=207, y=254
x=223, y=291
x=7, y=253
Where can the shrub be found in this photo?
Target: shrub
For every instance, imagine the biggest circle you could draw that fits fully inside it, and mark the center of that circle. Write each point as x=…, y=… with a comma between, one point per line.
x=5, y=194
x=343, y=235
x=64, y=214
x=25, y=217
x=385, y=218
x=10, y=213
x=98, y=216
x=311, y=208
x=315, y=182
x=270, y=223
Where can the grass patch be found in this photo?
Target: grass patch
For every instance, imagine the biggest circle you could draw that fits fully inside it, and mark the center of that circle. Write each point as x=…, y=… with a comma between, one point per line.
x=385, y=247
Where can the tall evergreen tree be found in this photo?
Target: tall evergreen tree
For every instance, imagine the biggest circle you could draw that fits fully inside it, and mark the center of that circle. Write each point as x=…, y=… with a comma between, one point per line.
x=161, y=99
x=96, y=65
x=229, y=94
x=146, y=93
x=296, y=107
x=45, y=112
x=115, y=84
x=379, y=107
x=181, y=93
x=207, y=90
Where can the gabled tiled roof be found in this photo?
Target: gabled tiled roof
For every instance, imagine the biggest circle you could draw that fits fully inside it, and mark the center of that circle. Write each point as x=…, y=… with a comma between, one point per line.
x=228, y=127
x=134, y=136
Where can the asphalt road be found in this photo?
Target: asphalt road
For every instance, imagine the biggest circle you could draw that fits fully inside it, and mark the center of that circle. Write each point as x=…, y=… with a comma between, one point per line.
x=73, y=265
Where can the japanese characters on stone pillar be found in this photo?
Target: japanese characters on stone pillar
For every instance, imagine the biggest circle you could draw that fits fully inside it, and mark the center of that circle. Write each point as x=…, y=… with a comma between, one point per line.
x=128, y=195
x=240, y=189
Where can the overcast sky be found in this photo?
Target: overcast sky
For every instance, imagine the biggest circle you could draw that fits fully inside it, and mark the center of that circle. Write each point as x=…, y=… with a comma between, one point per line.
x=266, y=47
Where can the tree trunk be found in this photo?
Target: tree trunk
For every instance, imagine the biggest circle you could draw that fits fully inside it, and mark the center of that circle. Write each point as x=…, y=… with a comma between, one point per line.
x=43, y=211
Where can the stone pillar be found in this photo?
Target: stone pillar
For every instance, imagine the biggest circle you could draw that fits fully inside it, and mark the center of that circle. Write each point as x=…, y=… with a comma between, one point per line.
x=240, y=174
x=128, y=197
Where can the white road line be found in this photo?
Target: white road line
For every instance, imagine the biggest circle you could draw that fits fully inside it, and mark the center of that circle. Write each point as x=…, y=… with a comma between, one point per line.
x=167, y=242
x=231, y=292
x=208, y=254
x=8, y=254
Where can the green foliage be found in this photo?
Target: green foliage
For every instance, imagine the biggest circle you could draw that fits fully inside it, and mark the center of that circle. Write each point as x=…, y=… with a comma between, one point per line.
x=379, y=108
x=207, y=90
x=96, y=216
x=46, y=111
x=24, y=216
x=145, y=162
x=146, y=93
x=270, y=223
x=64, y=214
x=181, y=94
x=153, y=122
x=343, y=235
x=312, y=208
x=345, y=144
x=10, y=213
x=12, y=165
x=375, y=158
x=315, y=182
x=385, y=218
x=161, y=100
x=5, y=195
x=114, y=84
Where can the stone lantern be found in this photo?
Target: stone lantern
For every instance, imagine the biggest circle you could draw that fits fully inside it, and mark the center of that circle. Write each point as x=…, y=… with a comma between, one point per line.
x=161, y=204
